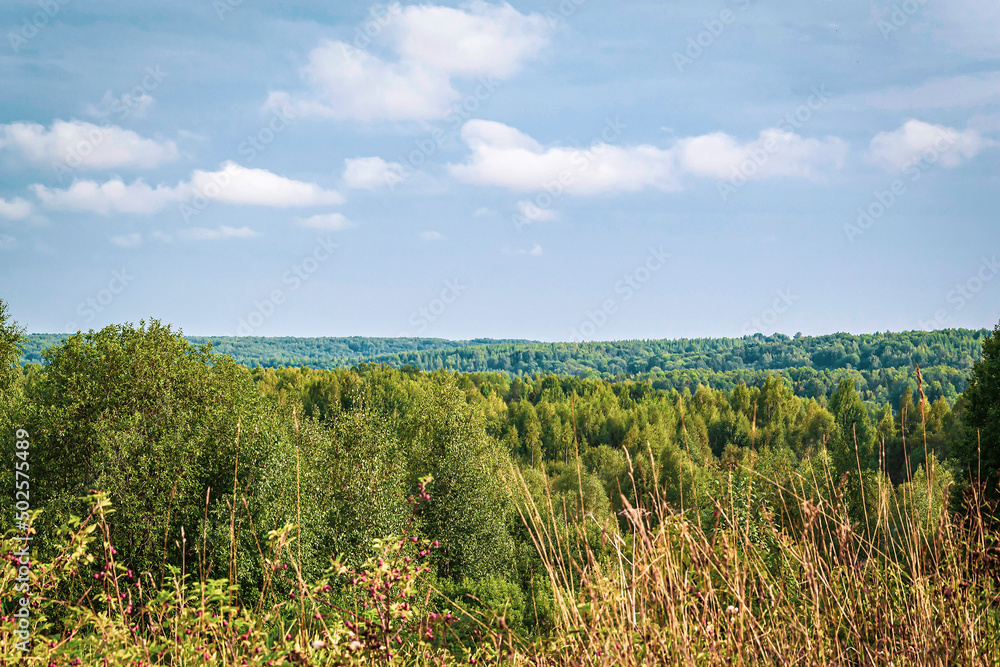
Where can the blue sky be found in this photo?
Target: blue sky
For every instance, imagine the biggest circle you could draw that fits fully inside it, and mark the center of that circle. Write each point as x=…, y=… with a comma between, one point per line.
x=544, y=170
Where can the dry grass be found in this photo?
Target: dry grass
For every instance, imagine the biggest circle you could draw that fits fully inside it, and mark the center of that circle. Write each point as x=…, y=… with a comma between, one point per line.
x=896, y=591
x=901, y=591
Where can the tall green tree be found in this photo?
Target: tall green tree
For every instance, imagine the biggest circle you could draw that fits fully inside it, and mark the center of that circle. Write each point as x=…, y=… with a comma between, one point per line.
x=979, y=453
x=12, y=342
x=145, y=417
x=854, y=429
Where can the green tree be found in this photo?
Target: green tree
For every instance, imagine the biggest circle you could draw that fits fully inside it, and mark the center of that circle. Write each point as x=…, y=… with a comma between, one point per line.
x=472, y=511
x=979, y=453
x=145, y=417
x=11, y=344
x=854, y=429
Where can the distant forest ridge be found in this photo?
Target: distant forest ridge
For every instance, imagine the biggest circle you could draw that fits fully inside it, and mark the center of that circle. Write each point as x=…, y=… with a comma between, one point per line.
x=280, y=351
x=882, y=364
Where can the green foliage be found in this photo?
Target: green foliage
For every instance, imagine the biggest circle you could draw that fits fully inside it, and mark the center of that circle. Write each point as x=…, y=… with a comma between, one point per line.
x=473, y=515
x=274, y=352
x=880, y=364
x=151, y=421
x=12, y=342
x=854, y=439
x=11, y=404
x=208, y=463
x=490, y=597
x=924, y=500
x=979, y=452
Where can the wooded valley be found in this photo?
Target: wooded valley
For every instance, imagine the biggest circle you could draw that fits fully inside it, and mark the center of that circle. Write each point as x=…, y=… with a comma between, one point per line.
x=516, y=487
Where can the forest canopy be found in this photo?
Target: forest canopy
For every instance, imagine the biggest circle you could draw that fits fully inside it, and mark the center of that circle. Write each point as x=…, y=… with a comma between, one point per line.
x=185, y=441
x=881, y=365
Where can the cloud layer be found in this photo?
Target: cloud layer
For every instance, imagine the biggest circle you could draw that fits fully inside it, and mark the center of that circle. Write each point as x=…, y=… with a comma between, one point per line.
x=967, y=90
x=368, y=173
x=434, y=45
x=15, y=209
x=335, y=222
x=80, y=145
x=915, y=140
x=969, y=26
x=223, y=232
x=503, y=156
x=231, y=184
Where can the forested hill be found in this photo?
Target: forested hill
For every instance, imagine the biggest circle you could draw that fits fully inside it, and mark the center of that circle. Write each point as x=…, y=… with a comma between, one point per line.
x=881, y=364
x=274, y=352
x=956, y=348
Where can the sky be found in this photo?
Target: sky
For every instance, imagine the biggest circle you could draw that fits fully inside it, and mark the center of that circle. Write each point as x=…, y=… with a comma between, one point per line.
x=552, y=170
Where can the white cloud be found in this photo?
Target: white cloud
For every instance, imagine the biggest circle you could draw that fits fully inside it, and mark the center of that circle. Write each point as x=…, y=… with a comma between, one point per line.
x=7, y=242
x=775, y=153
x=483, y=211
x=434, y=44
x=127, y=240
x=505, y=157
x=15, y=209
x=351, y=83
x=970, y=90
x=223, y=232
x=114, y=196
x=239, y=185
x=368, y=173
x=528, y=209
x=124, y=106
x=231, y=184
x=329, y=221
x=482, y=40
x=431, y=235
x=81, y=145
x=895, y=151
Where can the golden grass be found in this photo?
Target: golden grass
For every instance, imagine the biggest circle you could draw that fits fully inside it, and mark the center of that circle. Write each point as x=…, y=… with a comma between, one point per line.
x=900, y=591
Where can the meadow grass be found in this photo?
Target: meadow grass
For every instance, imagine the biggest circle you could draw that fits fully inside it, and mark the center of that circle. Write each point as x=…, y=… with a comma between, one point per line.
x=696, y=587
